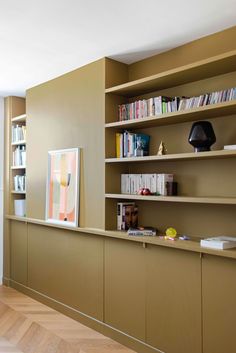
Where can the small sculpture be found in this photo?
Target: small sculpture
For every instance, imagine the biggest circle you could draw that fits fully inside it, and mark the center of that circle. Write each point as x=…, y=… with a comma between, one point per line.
x=202, y=136
x=162, y=149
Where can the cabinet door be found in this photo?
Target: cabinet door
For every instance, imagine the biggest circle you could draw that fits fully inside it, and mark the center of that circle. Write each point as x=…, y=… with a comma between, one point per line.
x=219, y=304
x=18, y=246
x=125, y=287
x=67, y=266
x=173, y=300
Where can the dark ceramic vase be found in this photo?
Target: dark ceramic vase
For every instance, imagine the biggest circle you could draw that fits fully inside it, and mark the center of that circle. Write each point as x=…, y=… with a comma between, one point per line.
x=202, y=136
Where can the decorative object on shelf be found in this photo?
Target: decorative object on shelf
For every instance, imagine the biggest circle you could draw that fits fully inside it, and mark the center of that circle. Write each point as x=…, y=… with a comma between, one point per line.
x=184, y=237
x=162, y=149
x=202, y=136
x=62, y=199
x=170, y=233
x=172, y=188
x=144, y=191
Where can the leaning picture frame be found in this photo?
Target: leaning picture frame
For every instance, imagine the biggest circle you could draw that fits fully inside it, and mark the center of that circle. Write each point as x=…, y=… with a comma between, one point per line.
x=62, y=191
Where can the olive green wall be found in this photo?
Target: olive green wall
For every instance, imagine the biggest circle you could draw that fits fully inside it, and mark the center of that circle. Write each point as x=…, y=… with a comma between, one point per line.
x=63, y=113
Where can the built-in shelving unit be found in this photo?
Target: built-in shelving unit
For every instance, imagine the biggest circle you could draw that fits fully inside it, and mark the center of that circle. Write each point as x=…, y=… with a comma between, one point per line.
x=17, y=156
x=217, y=73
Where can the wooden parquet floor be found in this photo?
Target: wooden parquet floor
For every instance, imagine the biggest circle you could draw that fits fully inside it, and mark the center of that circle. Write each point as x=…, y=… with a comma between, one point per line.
x=27, y=326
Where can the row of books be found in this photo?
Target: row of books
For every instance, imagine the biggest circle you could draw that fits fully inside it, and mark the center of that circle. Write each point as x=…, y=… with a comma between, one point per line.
x=129, y=144
x=19, y=182
x=162, y=104
x=19, y=156
x=18, y=133
x=156, y=183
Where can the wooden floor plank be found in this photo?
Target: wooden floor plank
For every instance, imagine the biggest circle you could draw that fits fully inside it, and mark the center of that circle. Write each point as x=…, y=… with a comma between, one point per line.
x=27, y=326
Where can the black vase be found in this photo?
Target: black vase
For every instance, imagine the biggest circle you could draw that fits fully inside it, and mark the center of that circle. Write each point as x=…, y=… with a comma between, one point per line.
x=202, y=136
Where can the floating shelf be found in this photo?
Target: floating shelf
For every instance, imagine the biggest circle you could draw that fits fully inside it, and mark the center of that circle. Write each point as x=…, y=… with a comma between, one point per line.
x=216, y=65
x=18, y=167
x=183, y=199
x=18, y=192
x=175, y=157
x=19, y=119
x=205, y=112
x=18, y=143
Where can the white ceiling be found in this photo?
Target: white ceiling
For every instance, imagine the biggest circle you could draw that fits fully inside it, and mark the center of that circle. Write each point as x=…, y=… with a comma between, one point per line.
x=41, y=40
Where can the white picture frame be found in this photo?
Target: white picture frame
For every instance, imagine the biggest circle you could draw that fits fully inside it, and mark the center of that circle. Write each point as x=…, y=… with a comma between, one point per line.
x=62, y=189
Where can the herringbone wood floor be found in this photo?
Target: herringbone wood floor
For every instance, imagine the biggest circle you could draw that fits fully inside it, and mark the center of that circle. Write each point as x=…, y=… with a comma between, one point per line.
x=27, y=326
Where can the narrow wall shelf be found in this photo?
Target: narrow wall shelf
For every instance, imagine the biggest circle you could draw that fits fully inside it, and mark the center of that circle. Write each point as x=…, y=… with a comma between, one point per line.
x=175, y=157
x=18, y=192
x=183, y=199
x=18, y=167
x=216, y=65
x=19, y=119
x=205, y=112
x=18, y=143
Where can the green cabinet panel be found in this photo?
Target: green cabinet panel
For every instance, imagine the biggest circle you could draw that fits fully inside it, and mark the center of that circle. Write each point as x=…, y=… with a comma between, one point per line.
x=67, y=266
x=173, y=300
x=219, y=304
x=125, y=287
x=18, y=249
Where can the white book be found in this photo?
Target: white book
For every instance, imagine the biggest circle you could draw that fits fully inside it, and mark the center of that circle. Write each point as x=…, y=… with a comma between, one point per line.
x=162, y=179
x=220, y=243
x=153, y=188
x=230, y=147
x=125, y=183
x=20, y=208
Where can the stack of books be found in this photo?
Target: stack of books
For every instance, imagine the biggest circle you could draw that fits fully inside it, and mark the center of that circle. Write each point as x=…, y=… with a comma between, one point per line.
x=220, y=243
x=142, y=231
x=230, y=147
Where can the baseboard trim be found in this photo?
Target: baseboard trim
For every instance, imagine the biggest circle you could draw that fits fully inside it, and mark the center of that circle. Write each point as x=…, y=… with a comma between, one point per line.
x=105, y=329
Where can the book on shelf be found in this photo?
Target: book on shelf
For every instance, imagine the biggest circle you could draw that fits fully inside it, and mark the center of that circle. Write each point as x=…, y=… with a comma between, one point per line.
x=221, y=242
x=130, y=144
x=230, y=147
x=156, y=183
x=160, y=105
x=142, y=231
x=19, y=156
x=127, y=215
x=18, y=133
x=19, y=182
x=20, y=208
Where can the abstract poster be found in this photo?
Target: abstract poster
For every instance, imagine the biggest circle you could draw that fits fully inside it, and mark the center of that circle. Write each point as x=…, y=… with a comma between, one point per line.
x=62, y=201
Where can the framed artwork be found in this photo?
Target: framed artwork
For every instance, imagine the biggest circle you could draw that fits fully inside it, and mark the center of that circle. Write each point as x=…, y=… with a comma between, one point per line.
x=62, y=198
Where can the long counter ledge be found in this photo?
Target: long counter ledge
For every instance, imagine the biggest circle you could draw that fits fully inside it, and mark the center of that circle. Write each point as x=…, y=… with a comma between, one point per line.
x=188, y=245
